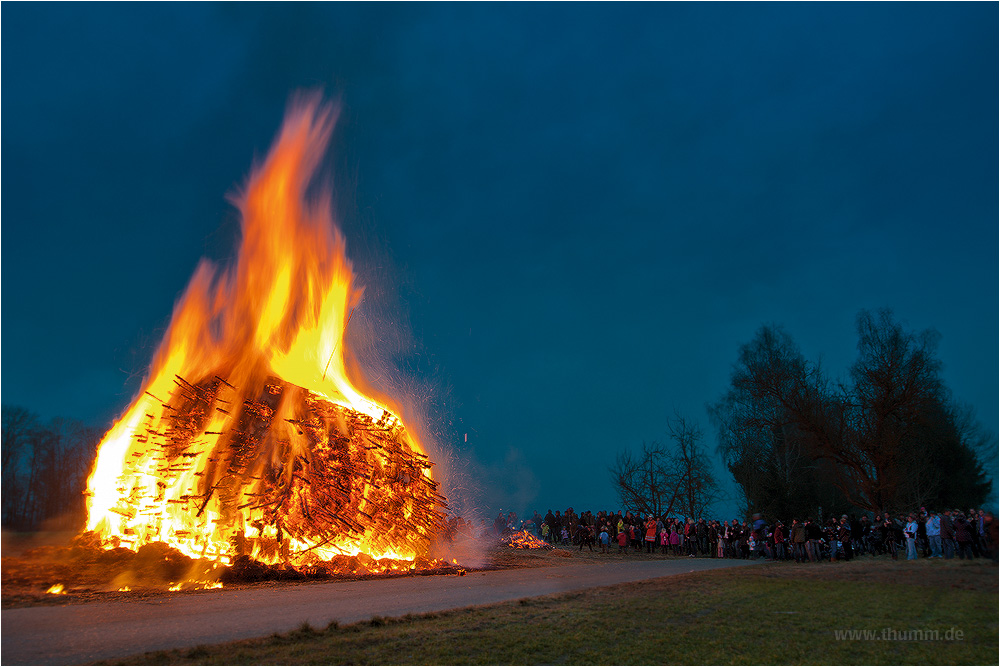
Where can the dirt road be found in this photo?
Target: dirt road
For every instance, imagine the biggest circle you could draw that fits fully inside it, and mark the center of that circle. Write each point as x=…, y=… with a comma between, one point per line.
x=75, y=634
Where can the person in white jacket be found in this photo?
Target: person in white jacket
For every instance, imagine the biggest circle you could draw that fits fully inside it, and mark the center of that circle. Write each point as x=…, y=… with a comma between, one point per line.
x=911, y=537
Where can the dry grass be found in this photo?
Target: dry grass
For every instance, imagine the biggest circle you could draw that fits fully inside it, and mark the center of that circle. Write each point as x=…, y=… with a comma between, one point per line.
x=773, y=614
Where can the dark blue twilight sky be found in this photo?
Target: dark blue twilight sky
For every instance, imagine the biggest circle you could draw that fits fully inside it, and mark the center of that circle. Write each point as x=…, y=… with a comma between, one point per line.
x=580, y=211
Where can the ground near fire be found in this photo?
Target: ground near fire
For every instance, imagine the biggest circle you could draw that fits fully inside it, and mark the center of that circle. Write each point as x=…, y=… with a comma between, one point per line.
x=929, y=612
x=769, y=613
x=64, y=568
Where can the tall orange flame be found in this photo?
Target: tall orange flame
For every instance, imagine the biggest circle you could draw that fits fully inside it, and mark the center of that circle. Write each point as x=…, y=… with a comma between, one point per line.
x=276, y=319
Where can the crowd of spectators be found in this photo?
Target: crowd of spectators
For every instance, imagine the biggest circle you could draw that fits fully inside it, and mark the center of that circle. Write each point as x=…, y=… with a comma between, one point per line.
x=921, y=533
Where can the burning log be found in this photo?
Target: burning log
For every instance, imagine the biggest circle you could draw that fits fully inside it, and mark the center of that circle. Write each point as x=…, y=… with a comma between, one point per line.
x=525, y=540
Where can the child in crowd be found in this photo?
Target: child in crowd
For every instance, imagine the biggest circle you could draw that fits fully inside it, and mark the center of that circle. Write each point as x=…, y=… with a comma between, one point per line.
x=605, y=540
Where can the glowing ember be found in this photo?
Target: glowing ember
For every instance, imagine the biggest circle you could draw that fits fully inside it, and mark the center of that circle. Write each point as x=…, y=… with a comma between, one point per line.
x=57, y=589
x=191, y=586
x=525, y=540
x=248, y=436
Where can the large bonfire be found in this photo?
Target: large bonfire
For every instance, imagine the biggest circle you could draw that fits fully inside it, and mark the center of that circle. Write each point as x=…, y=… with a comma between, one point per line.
x=248, y=437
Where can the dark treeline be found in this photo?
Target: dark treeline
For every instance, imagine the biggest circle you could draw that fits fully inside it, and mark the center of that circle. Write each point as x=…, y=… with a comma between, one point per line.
x=45, y=468
x=888, y=438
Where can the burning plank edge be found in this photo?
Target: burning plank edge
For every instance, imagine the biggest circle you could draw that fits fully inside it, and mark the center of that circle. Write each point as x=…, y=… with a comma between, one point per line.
x=350, y=458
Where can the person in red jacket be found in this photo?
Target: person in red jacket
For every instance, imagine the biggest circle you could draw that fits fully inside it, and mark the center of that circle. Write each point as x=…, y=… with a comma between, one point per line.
x=779, y=541
x=650, y=534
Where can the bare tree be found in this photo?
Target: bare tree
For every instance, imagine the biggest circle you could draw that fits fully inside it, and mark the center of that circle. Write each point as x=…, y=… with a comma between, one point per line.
x=894, y=384
x=697, y=489
x=761, y=427
x=19, y=429
x=887, y=440
x=61, y=459
x=662, y=479
x=45, y=470
x=645, y=482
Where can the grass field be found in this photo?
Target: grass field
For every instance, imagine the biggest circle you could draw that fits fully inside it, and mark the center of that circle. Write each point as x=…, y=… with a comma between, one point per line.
x=771, y=614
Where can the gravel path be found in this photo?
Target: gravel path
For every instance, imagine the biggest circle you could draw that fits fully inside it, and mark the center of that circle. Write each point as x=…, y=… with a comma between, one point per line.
x=82, y=633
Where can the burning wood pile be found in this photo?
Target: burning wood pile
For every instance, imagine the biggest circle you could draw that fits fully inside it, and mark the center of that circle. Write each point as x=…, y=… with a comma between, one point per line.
x=525, y=540
x=291, y=474
x=249, y=438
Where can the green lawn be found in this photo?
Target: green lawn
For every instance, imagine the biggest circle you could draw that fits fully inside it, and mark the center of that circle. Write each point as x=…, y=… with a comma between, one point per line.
x=769, y=614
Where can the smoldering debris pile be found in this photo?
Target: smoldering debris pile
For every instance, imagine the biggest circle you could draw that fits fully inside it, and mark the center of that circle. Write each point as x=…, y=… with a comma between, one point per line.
x=82, y=570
